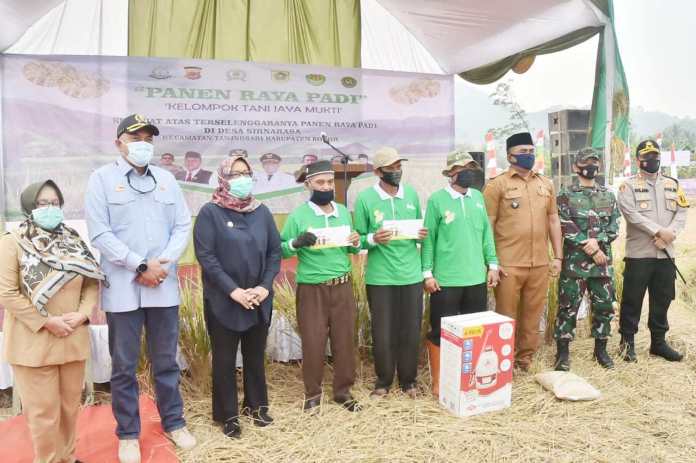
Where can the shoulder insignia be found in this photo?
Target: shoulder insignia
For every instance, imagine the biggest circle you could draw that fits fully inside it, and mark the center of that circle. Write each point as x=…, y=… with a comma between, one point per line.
x=682, y=201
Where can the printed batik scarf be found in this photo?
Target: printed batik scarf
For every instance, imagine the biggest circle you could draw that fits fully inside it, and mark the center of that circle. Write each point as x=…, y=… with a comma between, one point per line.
x=51, y=260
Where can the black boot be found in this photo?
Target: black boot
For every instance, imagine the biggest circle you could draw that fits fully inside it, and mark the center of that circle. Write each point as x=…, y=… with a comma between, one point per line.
x=562, y=355
x=628, y=348
x=601, y=355
x=232, y=429
x=660, y=348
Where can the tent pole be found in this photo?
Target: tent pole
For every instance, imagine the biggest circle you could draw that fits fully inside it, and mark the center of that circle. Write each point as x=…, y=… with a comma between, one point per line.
x=3, y=170
x=610, y=77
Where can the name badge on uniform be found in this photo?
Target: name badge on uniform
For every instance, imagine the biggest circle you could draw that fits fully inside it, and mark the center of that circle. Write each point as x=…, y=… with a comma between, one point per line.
x=120, y=188
x=449, y=217
x=411, y=206
x=379, y=217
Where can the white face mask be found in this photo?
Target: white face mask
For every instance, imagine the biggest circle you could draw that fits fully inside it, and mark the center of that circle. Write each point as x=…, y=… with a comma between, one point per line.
x=140, y=153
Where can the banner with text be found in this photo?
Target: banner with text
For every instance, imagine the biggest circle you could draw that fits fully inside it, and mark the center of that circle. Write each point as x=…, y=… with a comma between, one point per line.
x=60, y=113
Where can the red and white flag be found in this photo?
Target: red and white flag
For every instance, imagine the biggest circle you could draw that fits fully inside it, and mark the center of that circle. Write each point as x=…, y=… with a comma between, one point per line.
x=627, y=161
x=491, y=163
x=539, y=149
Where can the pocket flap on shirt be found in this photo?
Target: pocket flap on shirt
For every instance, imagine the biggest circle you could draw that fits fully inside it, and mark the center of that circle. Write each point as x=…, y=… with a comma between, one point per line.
x=543, y=190
x=164, y=196
x=120, y=196
x=513, y=193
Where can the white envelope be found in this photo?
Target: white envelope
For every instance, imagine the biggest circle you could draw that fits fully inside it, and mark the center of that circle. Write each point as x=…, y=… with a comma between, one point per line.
x=331, y=237
x=403, y=229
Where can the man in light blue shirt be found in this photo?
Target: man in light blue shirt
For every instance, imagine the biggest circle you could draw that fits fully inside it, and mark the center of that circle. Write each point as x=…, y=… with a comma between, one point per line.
x=138, y=219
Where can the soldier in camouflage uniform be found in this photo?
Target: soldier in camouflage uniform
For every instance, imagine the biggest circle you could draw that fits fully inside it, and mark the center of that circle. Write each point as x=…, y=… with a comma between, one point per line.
x=590, y=222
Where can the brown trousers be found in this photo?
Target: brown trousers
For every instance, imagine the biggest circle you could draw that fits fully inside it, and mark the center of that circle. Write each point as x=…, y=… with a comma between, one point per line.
x=51, y=403
x=522, y=295
x=327, y=312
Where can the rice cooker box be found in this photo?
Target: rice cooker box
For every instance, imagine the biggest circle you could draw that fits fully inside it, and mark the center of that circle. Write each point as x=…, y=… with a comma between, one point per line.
x=477, y=353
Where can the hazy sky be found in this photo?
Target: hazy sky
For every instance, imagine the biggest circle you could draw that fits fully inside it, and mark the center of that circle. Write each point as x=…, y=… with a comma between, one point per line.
x=657, y=40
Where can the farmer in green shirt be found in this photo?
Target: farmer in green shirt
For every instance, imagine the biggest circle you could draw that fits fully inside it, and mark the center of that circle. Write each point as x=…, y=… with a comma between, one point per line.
x=459, y=259
x=393, y=276
x=325, y=302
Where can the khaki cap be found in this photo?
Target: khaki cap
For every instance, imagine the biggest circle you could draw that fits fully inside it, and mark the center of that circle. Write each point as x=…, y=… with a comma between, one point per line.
x=386, y=156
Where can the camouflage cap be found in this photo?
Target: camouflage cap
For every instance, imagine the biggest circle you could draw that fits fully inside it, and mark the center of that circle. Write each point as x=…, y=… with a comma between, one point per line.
x=458, y=158
x=585, y=154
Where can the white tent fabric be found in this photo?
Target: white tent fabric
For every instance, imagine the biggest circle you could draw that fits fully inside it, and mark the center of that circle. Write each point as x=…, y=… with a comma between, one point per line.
x=18, y=15
x=76, y=27
x=465, y=34
x=435, y=36
x=387, y=44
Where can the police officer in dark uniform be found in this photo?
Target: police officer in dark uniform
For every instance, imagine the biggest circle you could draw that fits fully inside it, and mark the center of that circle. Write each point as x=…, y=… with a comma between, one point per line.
x=655, y=210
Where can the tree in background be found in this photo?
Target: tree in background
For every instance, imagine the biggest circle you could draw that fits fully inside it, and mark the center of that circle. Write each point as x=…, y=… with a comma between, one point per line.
x=683, y=138
x=505, y=98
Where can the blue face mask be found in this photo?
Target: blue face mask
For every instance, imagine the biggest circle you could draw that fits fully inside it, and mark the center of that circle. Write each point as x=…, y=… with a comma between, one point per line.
x=525, y=161
x=48, y=217
x=241, y=187
x=140, y=153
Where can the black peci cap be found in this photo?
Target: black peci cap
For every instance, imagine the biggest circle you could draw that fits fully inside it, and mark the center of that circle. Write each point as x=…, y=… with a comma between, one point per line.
x=522, y=138
x=315, y=168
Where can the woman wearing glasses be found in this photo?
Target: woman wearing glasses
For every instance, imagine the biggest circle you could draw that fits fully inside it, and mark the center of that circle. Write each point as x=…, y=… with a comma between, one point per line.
x=49, y=284
x=238, y=247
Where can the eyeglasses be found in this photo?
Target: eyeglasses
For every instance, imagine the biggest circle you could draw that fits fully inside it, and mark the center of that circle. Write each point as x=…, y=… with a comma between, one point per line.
x=45, y=203
x=236, y=175
x=149, y=174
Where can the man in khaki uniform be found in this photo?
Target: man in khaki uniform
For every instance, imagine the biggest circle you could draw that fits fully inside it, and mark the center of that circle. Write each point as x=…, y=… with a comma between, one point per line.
x=655, y=210
x=522, y=209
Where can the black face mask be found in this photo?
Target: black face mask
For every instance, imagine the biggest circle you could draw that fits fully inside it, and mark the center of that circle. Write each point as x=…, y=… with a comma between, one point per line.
x=473, y=178
x=322, y=198
x=392, y=178
x=650, y=165
x=588, y=172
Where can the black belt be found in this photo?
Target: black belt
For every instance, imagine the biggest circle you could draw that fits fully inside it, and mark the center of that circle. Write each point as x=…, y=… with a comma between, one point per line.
x=345, y=278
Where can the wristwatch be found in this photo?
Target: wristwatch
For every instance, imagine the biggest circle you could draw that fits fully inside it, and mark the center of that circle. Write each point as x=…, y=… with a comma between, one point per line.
x=142, y=268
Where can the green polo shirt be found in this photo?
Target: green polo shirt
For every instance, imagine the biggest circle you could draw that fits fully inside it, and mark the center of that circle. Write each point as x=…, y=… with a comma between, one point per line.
x=317, y=265
x=459, y=248
x=397, y=262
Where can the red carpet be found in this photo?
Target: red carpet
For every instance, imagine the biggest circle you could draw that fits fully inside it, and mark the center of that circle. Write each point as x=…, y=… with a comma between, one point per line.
x=96, y=441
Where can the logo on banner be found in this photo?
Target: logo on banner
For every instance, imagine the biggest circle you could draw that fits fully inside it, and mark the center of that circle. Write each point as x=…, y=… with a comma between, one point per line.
x=160, y=73
x=236, y=74
x=280, y=76
x=349, y=82
x=192, y=72
x=315, y=79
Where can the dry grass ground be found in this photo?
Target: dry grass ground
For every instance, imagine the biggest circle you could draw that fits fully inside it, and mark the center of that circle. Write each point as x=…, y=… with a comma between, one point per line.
x=647, y=412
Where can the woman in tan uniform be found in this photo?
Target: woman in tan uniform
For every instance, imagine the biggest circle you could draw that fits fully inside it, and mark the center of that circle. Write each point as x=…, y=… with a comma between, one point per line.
x=49, y=284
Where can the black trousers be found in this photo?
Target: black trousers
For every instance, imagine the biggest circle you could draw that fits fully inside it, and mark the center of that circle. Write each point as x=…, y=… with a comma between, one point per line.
x=396, y=313
x=224, y=349
x=657, y=277
x=455, y=300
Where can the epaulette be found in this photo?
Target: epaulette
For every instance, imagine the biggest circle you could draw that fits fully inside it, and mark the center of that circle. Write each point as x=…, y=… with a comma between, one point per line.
x=672, y=178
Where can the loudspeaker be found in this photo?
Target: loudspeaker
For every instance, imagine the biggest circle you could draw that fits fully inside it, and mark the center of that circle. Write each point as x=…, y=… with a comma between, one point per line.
x=569, y=120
